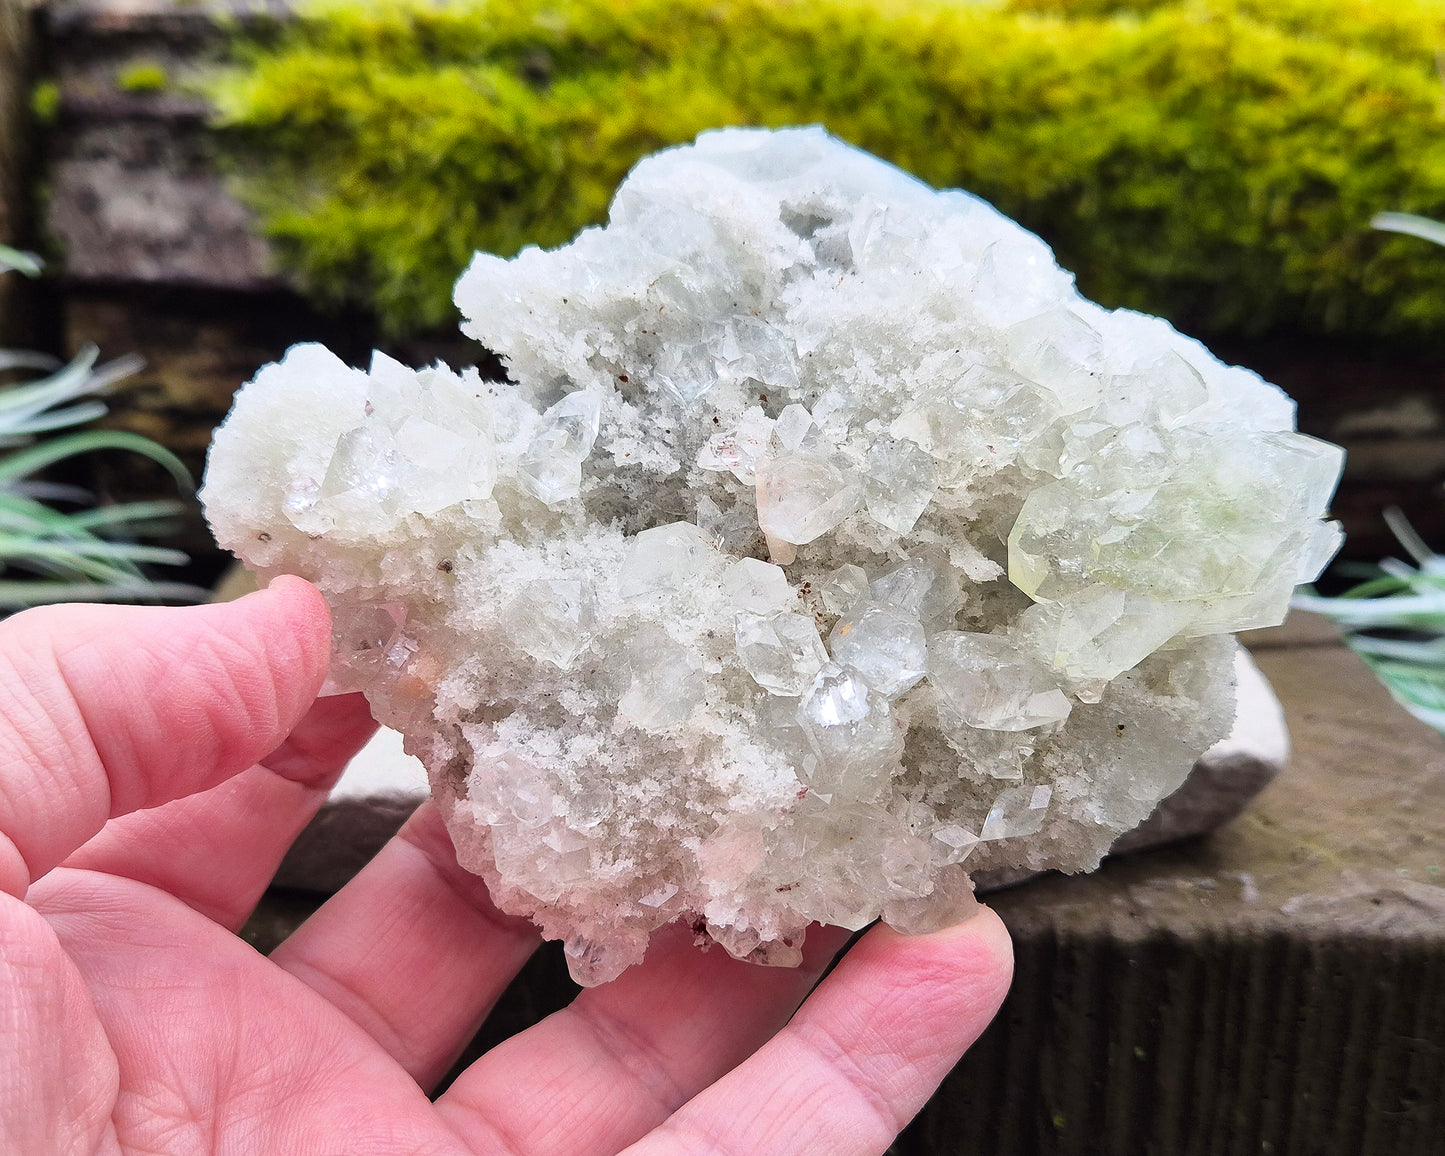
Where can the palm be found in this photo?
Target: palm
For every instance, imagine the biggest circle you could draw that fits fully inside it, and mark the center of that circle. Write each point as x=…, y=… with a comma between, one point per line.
x=136, y=1020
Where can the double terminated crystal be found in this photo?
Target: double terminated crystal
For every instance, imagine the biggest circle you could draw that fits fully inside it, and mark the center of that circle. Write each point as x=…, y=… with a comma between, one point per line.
x=825, y=543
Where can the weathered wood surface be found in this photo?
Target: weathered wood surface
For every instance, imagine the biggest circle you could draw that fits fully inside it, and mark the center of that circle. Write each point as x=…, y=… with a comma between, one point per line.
x=1276, y=987
x=138, y=202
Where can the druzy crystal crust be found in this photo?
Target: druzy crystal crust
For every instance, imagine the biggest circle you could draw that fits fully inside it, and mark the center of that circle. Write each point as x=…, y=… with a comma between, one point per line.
x=825, y=545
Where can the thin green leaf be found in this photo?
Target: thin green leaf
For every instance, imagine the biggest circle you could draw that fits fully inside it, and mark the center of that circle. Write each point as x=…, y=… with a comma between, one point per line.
x=21, y=261
x=60, y=386
x=51, y=492
x=72, y=568
x=27, y=359
x=15, y=593
x=1404, y=611
x=26, y=462
x=106, y=516
x=1411, y=225
x=1404, y=650
x=13, y=547
x=1405, y=533
x=55, y=419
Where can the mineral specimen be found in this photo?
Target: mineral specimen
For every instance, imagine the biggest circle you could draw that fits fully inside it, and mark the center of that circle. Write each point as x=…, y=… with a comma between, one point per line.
x=824, y=544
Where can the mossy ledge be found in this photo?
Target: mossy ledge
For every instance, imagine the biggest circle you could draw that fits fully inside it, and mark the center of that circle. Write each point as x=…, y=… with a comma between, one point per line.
x=1215, y=161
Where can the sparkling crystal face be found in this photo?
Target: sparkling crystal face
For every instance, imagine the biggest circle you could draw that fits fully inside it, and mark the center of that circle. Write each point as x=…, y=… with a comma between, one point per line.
x=823, y=545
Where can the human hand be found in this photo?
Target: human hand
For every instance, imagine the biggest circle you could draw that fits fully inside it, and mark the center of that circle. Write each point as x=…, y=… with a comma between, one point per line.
x=155, y=764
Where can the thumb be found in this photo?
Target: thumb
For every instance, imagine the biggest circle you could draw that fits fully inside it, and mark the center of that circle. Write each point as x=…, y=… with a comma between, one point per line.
x=106, y=710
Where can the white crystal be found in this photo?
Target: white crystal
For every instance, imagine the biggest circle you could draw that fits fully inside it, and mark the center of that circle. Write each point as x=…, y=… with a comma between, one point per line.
x=884, y=644
x=992, y=685
x=900, y=482
x=782, y=651
x=665, y=559
x=853, y=732
x=803, y=495
x=924, y=587
x=1018, y=811
x=551, y=468
x=751, y=584
x=780, y=348
x=843, y=587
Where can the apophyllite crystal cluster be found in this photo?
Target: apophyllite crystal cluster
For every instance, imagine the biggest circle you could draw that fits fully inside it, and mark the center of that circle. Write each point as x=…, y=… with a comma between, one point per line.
x=823, y=546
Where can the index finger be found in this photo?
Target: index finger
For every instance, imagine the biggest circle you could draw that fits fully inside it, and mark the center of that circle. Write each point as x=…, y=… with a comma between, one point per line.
x=106, y=710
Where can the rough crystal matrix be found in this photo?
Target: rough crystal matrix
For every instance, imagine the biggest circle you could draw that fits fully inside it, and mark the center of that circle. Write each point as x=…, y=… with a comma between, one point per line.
x=825, y=545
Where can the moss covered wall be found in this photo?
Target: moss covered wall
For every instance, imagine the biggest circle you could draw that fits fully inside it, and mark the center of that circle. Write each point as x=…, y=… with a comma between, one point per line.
x=1216, y=161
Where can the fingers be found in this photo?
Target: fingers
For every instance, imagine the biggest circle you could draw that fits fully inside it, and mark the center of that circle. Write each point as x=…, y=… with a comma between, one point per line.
x=413, y=949
x=60, y=1074
x=106, y=710
x=218, y=850
x=862, y=1055
x=624, y=1056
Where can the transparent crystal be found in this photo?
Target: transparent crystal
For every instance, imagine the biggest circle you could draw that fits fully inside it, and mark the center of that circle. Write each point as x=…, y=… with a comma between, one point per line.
x=802, y=496
x=737, y=451
x=1099, y=634
x=778, y=952
x=950, y=902
x=900, y=482
x=551, y=469
x=552, y=620
x=782, y=651
x=365, y=466
x=1018, y=811
x=663, y=685
x=665, y=559
x=793, y=427
x=300, y=508
x=925, y=587
x=751, y=584
x=365, y=640
x=843, y=587
x=952, y=843
x=592, y=962
x=853, y=732
x=884, y=644
x=993, y=685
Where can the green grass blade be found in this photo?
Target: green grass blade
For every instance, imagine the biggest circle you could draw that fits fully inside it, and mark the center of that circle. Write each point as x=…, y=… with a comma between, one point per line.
x=27, y=359
x=60, y=386
x=1419, y=611
x=47, y=420
x=21, y=261
x=28, y=461
x=14, y=594
x=104, y=517
x=51, y=492
x=1411, y=225
x=15, y=548
x=1404, y=650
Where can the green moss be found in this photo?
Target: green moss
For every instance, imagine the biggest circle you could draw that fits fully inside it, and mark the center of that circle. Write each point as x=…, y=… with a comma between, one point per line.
x=45, y=101
x=142, y=76
x=1216, y=161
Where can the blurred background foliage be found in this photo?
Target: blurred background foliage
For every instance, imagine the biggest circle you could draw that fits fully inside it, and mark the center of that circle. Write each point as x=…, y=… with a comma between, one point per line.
x=1215, y=161
x=57, y=543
